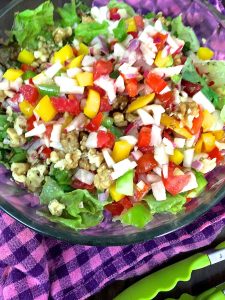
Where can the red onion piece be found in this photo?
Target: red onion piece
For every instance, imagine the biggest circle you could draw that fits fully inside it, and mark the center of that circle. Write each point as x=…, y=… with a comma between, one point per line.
x=134, y=45
x=196, y=165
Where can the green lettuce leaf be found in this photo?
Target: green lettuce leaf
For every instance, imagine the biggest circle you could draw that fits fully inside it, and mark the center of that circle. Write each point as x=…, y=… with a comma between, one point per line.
x=4, y=125
x=138, y=216
x=88, y=31
x=30, y=24
x=120, y=32
x=63, y=177
x=172, y=204
x=18, y=156
x=68, y=14
x=185, y=33
x=51, y=190
x=202, y=183
x=115, y=3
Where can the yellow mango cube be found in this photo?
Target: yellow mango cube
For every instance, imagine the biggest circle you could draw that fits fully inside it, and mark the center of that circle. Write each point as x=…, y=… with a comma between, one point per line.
x=83, y=49
x=85, y=78
x=131, y=25
x=177, y=157
x=64, y=54
x=204, y=53
x=76, y=62
x=45, y=109
x=92, y=105
x=26, y=108
x=26, y=57
x=12, y=74
x=121, y=150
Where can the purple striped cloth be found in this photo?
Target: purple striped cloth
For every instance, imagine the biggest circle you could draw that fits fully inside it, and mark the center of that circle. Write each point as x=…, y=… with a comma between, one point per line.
x=36, y=267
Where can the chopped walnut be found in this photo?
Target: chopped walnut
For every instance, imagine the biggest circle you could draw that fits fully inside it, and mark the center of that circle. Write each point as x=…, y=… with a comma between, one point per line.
x=70, y=161
x=87, y=19
x=69, y=141
x=120, y=103
x=35, y=177
x=56, y=208
x=83, y=142
x=119, y=120
x=15, y=139
x=186, y=112
x=131, y=117
x=84, y=164
x=95, y=158
x=20, y=125
x=102, y=179
x=19, y=171
x=61, y=34
x=56, y=156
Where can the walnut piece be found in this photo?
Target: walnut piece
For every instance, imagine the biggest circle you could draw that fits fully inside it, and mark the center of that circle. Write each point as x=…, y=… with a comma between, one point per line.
x=102, y=179
x=119, y=120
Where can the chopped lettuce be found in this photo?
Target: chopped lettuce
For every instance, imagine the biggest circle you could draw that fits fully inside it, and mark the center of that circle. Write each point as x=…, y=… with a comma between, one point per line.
x=172, y=204
x=18, y=156
x=4, y=125
x=222, y=114
x=150, y=15
x=117, y=4
x=120, y=32
x=68, y=14
x=202, y=182
x=88, y=31
x=82, y=210
x=138, y=216
x=63, y=177
x=30, y=24
x=185, y=33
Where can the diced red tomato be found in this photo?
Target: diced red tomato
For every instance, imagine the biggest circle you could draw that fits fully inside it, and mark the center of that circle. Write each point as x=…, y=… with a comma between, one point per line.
x=62, y=104
x=15, y=98
x=104, y=105
x=102, y=67
x=45, y=153
x=155, y=82
x=77, y=184
x=134, y=34
x=146, y=163
x=30, y=93
x=139, y=22
x=139, y=194
x=191, y=88
x=113, y=14
x=99, y=90
x=197, y=122
x=115, y=208
x=215, y=153
x=166, y=99
x=174, y=184
x=159, y=40
x=105, y=139
x=30, y=123
x=48, y=131
x=167, y=134
x=26, y=68
x=126, y=202
x=144, y=137
x=146, y=149
x=95, y=123
x=132, y=87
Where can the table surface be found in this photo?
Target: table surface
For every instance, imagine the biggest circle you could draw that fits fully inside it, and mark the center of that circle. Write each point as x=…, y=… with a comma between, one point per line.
x=201, y=280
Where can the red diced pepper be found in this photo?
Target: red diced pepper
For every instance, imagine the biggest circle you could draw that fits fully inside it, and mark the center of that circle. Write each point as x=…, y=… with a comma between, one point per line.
x=115, y=208
x=144, y=137
x=146, y=163
x=105, y=139
x=45, y=153
x=62, y=104
x=159, y=40
x=95, y=123
x=139, y=22
x=166, y=99
x=30, y=93
x=104, y=105
x=102, y=67
x=155, y=82
x=30, y=123
x=132, y=87
x=77, y=184
x=126, y=202
x=215, y=153
x=26, y=68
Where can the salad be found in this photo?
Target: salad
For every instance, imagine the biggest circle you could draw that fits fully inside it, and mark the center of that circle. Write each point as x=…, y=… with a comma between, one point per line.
x=106, y=112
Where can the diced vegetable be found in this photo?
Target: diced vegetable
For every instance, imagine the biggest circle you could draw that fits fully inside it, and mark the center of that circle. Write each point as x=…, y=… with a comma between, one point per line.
x=132, y=87
x=102, y=67
x=121, y=150
x=177, y=157
x=30, y=93
x=155, y=82
x=174, y=124
x=45, y=109
x=163, y=62
x=76, y=62
x=132, y=216
x=105, y=139
x=125, y=185
x=26, y=108
x=140, y=102
x=64, y=54
x=114, y=194
x=12, y=74
x=85, y=79
x=62, y=104
x=144, y=137
x=131, y=25
x=92, y=104
x=49, y=90
x=95, y=123
x=205, y=53
x=208, y=141
x=26, y=57
x=146, y=163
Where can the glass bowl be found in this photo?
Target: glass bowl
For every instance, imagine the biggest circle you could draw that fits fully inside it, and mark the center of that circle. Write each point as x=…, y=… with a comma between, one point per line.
x=208, y=23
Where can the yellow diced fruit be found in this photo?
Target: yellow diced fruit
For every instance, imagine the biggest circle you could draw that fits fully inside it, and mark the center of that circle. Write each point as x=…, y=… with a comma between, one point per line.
x=83, y=49
x=12, y=74
x=208, y=142
x=85, y=78
x=64, y=54
x=26, y=57
x=114, y=194
x=163, y=62
x=172, y=123
x=121, y=150
x=76, y=62
x=45, y=109
x=140, y=102
x=177, y=157
x=92, y=105
x=26, y=108
x=208, y=120
x=131, y=25
x=198, y=146
x=219, y=134
x=205, y=53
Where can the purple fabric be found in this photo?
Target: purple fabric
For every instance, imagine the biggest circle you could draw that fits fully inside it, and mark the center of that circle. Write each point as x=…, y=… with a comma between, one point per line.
x=36, y=267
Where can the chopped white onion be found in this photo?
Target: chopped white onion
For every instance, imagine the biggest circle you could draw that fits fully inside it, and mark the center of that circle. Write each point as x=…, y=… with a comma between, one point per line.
x=179, y=142
x=56, y=145
x=192, y=183
x=107, y=84
x=4, y=85
x=108, y=158
x=100, y=14
x=78, y=122
x=92, y=140
x=137, y=154
x=146, y=118
x=153, y=177
x=53, y=70
x=190, y=142
x=127, y=69
x=158, y=25
x=16, y=84
x=37, y=144
x=169, y=147
x=157, y=110
x=158, y=171
x=188, y=157
x=165, y=90
x=56, y=133
x=41, y=79
x=36, y=131
x=88, y=61
x=159, y=191
x=132, y=140
x=168, y=72
x=84, y=176
x=119, y=51
x=165, y=170
x=73, y=72
x=119, y=84
x=87, y=69
x=156, y=136
x=122, y=167
x=160, y=155
x=202, y=100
